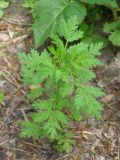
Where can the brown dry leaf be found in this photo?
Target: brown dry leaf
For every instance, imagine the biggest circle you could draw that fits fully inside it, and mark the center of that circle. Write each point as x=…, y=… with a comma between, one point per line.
x=10, y=155
x=108, y=98
x=75, y=157
x=4, y=37
x=3, y=27
x=100, y=158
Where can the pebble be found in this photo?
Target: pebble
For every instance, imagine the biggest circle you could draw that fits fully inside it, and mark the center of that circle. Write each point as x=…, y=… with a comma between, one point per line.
x=108, y=98
x=4, y=37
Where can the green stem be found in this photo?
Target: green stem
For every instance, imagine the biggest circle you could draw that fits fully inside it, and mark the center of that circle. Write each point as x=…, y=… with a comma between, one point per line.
x=115, y=15
x=114, y=11
x=66, y=44
x=57, y=93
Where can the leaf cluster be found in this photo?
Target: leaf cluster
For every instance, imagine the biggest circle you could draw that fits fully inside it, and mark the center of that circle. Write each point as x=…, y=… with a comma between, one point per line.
x=49, y=13
x=61, y=74
x=91, y=36
x=113, y=31
x=3, y=4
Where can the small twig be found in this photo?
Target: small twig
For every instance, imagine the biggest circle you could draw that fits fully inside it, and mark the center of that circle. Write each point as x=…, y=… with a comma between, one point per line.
x=3, y=142
x=65, y=156
x=30, y=144
x=24, y=109
x=86, y=132
x=18, y=39
x=14, y=82
x=18, y=89
x=17, y=149
x=25, y=117
x=5, y=71
x=110, y=106
x=15, y=22
x=9, y=114
x=112, y=123
x=118, y=145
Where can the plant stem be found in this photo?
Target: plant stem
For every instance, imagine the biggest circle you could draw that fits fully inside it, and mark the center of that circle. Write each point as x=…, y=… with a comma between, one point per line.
x=57, y=92
x=115, y=16
x=66, y=44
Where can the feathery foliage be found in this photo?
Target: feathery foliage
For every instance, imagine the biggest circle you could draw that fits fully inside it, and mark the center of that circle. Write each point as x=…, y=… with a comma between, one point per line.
x=62, y=74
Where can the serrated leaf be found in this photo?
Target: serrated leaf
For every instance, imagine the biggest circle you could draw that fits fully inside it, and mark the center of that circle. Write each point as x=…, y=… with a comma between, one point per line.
x=85, y=75
x=30, y=130
x=76, y=115
x=69, y=29
x=42, y=104
x=85, y=101
x=66, y=89
x=61, y=117
x=91, y=90
x=94, y=48
x=41, y=116
x=51, y=127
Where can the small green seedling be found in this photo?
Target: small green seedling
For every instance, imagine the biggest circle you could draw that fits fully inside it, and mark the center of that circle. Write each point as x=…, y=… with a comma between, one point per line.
x=63, y=93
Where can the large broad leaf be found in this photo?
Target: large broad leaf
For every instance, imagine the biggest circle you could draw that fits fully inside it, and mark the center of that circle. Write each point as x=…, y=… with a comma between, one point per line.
x=49, y=14
x=109, y=3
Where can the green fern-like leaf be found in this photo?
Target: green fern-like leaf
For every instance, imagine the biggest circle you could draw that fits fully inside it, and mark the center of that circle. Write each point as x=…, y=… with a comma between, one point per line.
x=85, y=75
x=66, y=89
x=37, y=67
x=85, y=100
x=69, y=30
x=65, y=142
x=41, y=116
x=94, y=49
x=51, y=128
x=61, y=117
x=30, y=130
x=42, y=104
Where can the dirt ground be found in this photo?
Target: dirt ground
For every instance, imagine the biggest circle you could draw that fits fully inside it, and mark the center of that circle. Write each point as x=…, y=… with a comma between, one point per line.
x=96, y=140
